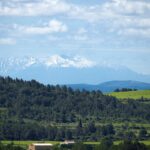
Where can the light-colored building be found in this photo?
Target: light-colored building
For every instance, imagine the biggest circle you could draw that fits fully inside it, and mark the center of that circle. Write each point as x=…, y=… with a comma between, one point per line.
x=40, y=146
x=66, y=142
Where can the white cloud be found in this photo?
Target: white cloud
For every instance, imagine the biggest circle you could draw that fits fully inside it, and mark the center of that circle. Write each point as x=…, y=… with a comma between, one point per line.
x=130, y=17
x=81, y=35
x=82, y=31
x=7, y=41
x=31, y=8
x=128, y=6
x=90, y=13
x=53, y=26
x=127, y=21
x=117, y=15
x=114, y=14
x=136, y=32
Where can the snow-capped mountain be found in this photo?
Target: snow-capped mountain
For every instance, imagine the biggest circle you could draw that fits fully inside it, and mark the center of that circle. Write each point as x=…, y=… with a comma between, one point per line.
x=17, y=63
x=58, y=69
x=59, y=61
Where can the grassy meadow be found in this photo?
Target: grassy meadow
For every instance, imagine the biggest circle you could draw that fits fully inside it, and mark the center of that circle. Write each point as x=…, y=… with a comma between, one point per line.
x=132, y=94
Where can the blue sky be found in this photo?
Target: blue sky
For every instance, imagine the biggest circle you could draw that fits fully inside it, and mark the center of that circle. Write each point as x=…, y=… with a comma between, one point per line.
x=110, y=32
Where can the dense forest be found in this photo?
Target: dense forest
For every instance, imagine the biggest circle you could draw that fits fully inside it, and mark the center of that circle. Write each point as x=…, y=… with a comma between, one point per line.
x=29, y=110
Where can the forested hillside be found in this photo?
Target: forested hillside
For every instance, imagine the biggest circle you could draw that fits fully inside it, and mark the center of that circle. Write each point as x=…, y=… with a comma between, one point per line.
x=32, y=100
x=29, y=103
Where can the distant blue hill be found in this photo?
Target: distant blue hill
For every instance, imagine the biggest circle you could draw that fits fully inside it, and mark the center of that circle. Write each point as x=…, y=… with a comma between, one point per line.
x=92, y=76
x=112, y=85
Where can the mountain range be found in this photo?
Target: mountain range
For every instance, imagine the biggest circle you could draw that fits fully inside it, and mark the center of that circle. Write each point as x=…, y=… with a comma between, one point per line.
x=72, y=71
x=110, y=86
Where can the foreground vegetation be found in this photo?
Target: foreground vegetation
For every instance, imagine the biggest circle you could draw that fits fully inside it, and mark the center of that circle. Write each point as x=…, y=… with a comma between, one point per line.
x=10, y=146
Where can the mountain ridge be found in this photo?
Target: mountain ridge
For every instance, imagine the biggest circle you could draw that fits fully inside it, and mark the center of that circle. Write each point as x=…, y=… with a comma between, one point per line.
x=110, y=86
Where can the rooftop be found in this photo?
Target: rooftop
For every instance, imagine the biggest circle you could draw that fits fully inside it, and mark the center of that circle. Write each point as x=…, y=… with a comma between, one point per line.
x=42, y=144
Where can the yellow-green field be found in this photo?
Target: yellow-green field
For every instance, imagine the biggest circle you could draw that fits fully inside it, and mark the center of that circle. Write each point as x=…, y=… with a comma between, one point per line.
x=132, y=94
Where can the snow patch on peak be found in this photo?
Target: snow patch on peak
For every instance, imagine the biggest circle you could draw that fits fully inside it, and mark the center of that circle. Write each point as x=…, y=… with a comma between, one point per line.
x=31, y=61
x=77, y=62
x=16, y=63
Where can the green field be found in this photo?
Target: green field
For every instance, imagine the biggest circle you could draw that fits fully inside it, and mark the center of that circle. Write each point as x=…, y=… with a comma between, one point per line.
x=146, y=142
x=27, y=143
x=132, y=94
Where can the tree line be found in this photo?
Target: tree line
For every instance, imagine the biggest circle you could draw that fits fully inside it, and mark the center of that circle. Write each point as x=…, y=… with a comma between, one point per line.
x=21, y=130
x=14, y=130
